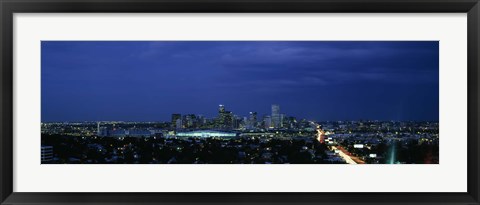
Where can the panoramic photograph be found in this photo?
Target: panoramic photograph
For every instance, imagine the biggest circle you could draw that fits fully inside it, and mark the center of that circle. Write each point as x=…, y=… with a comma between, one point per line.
x=240, y=102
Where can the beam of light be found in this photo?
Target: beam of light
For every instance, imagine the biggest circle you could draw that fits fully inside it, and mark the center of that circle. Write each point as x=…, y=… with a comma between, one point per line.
x=392, y=154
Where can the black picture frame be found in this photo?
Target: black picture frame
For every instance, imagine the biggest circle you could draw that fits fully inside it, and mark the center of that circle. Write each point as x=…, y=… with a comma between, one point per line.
x=9, y=7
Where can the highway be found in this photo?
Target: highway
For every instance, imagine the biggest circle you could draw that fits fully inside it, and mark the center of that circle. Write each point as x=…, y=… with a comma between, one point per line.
x=342, y=154
x=339, y=149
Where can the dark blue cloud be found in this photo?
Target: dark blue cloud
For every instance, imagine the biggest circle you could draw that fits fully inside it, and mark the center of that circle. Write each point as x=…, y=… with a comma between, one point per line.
x=142, y=81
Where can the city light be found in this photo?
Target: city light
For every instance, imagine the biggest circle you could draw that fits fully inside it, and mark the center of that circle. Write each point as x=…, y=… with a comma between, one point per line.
x=230, y=138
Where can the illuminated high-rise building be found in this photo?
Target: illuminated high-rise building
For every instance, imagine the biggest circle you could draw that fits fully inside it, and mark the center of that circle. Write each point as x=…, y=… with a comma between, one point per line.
x=252, y=120
x=190, y=121
x=175, y=117
x=267, y=121
x=225, y=118
x=276, y=117
x=178, y=124
x=228, y=120
x=236, y=121
x=200, y=120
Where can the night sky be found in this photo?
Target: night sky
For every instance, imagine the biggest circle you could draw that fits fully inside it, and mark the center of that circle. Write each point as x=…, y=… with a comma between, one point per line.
x=316, y=80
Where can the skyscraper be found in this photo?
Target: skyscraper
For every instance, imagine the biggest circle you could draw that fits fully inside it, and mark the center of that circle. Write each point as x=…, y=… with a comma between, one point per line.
x=175, y=117
x=245, y=123
x=267, y=121
x=236, y=121
x=276, y=117
x=252, y=120
x=225, y=118
x=190, y=121
x=178, y=124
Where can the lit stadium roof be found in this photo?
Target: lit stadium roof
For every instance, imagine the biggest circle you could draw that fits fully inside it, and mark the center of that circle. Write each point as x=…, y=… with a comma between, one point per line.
x=207, y=133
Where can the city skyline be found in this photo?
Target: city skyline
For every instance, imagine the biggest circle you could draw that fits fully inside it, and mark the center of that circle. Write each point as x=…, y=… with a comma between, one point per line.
x=247, y=115
x=315, y=80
